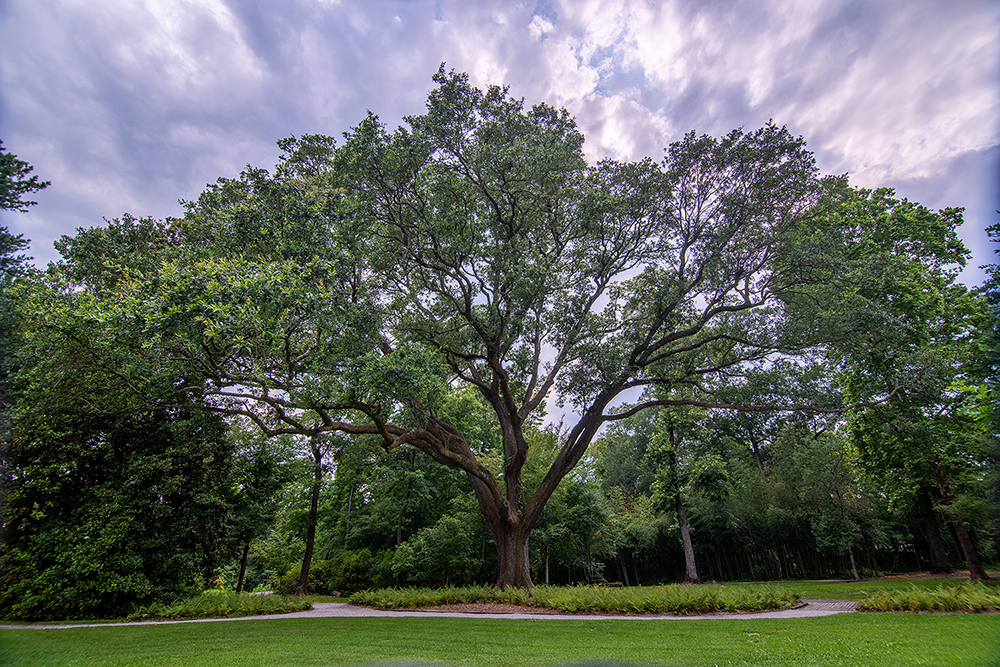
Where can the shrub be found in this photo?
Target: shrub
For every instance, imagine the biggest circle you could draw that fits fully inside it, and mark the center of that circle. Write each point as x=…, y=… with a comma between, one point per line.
x=442, y=554
x=673, y=599
x=221, y=604
x=319, y=580
x=967, y=598
x=106, y=513
x=353, y=571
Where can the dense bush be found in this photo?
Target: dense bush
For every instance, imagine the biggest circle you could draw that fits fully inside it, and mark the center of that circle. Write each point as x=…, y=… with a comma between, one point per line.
x=443, y=554
x=104, y=514
x=319, y=580
x=359, y=570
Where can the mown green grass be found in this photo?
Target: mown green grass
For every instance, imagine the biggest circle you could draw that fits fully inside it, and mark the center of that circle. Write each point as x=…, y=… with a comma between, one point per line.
x=858, y=640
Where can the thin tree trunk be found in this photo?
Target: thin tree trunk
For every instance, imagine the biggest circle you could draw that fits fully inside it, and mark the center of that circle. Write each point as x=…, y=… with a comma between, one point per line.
x=243, y=566
x=546, y=565
x=350, y=502
x=690, y=567
x=755, y=450
x=854, y=566
x=399, y=520
x=976, y=571
x=317, y=453
x=940, y=564
x=621, y=566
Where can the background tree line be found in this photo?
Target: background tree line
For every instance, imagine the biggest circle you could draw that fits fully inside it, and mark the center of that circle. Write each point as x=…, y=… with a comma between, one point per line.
x=266, y=389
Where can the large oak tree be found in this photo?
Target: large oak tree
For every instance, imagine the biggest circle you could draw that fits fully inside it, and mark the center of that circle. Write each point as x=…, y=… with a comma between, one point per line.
x=351, y=289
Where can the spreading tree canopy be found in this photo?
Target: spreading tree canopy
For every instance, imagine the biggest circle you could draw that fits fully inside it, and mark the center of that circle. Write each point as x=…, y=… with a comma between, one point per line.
x=353, y=288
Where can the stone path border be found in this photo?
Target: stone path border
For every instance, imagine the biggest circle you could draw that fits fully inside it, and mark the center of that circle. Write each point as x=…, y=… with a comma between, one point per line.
x=809, y=609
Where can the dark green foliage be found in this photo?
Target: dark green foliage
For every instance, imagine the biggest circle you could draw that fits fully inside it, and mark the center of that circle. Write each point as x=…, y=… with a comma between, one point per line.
x=16, y=181
x=354, y=571
x=12, y=264
x=319, y=579
x=991, y=338
x=444, y=554
x=105, y=513
x=574, y=537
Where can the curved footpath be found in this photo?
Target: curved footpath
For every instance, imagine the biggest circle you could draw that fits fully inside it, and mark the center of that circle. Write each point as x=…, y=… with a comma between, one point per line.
x=809, y=608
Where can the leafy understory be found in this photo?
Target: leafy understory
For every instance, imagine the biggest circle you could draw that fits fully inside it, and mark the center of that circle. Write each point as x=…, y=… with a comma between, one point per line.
x=675, y=599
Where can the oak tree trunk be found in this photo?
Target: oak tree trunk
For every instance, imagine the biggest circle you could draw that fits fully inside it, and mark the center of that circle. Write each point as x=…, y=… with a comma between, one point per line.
x=513, y=569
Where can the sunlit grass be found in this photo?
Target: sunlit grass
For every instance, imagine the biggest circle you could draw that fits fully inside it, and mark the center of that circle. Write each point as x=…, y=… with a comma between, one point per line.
x=859, y=640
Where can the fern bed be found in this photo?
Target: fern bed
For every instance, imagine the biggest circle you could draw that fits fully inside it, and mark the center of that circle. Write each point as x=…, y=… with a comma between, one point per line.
x=219, y=604
x=673, y=599
x=967, y=598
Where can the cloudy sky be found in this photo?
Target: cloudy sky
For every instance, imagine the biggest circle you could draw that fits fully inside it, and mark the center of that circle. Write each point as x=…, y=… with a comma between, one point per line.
x=128, y=106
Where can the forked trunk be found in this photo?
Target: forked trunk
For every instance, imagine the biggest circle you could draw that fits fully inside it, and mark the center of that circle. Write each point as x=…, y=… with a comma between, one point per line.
x=510, y=530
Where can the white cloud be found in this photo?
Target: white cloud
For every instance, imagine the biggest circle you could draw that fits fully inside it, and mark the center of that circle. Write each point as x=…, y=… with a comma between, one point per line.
x=539, y=27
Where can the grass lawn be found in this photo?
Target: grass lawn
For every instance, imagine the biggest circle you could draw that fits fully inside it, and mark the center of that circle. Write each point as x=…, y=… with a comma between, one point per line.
x=857, y=640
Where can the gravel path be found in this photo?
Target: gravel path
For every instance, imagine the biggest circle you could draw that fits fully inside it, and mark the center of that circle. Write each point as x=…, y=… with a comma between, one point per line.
x=810, y=608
